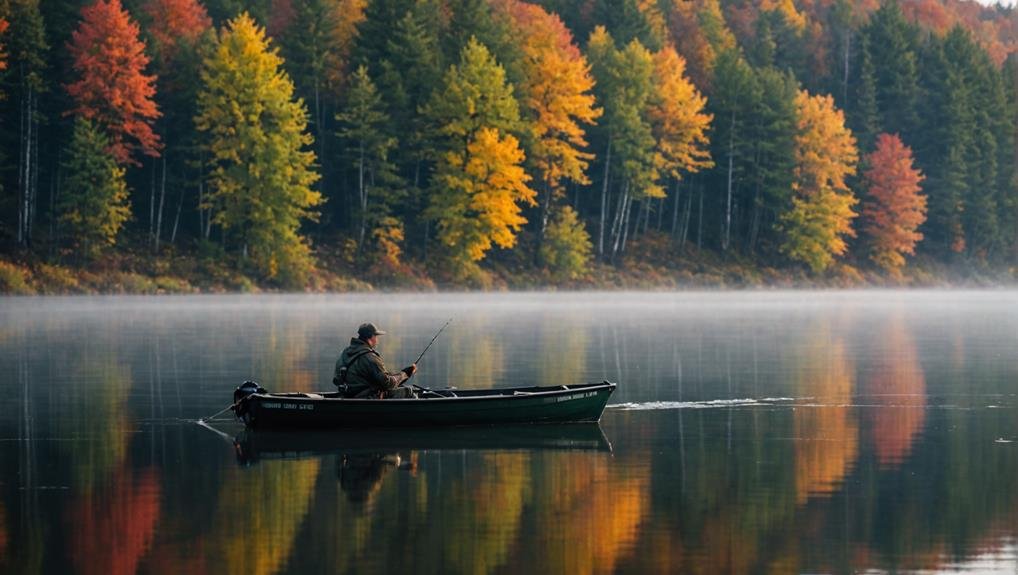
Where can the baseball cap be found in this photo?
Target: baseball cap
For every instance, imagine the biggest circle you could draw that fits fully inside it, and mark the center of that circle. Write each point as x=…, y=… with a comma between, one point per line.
x=367, y=330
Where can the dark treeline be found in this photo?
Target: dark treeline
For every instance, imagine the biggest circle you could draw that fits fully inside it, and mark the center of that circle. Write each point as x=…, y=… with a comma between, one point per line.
x=420, y=140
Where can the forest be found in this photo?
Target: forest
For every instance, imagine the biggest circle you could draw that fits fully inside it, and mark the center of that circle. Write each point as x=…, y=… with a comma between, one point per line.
x=153, y=146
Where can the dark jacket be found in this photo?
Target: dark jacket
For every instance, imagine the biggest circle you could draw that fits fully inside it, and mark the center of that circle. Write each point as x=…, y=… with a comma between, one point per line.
x=365, y=370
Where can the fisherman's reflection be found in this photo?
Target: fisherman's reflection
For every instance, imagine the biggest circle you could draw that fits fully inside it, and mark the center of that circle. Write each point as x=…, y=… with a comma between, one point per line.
x=361, y=474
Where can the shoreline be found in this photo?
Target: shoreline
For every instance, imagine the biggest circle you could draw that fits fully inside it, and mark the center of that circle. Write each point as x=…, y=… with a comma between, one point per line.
x=133, y=284
x=140, y=273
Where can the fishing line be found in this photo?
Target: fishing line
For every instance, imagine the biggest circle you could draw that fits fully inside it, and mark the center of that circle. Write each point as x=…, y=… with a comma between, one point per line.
x=202, y=420
x=216, y=431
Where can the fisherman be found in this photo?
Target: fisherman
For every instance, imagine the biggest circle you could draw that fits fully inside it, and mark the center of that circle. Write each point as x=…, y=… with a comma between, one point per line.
x=360, y=371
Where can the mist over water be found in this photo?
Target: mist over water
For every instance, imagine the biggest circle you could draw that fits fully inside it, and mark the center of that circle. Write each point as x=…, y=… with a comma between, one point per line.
x=751, y=431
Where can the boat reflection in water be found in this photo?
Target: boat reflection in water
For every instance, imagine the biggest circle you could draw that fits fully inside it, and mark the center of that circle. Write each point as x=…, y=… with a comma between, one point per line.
x=252, y=446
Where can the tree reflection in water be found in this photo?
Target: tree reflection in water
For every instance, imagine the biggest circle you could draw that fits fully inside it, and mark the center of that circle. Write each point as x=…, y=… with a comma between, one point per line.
x=584, y=520
x=827, y=435
x=888, y=459
x=99, y=421
x=3, y=535
x=896, y=385
x=114, y=523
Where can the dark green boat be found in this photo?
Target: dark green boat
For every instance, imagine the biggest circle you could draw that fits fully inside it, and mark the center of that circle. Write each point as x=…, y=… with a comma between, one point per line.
x=551, y=404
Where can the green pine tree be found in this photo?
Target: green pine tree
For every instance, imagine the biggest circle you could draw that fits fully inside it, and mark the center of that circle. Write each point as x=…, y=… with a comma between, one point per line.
x=261, y=174
x=362, y=123
x=893, y=41
x=771, y=134
x=864, y=114
x=93, y=204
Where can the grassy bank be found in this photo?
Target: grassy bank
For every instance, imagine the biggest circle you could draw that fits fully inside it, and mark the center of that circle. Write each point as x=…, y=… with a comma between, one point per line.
x=652, y=263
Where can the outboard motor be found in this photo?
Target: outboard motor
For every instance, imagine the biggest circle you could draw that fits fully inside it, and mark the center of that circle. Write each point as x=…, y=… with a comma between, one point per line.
x=246, y=389
x=241, y=393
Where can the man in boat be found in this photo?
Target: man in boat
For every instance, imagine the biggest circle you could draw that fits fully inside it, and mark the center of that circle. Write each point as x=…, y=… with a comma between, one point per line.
x=361, y=373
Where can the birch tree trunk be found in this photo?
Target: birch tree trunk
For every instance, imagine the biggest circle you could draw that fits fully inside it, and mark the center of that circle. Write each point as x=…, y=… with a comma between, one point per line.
x=26, y=162
x=728, y=203
x=699, y=222
x=162, y=201
x=362, y=196
x=546, y=196
x=686, y=215
x=613, y=236
x=625, y=222
x=845, y=69
x=34, y=169
x=176, y=218
x=152, y=203
x=604, y=198
x=754, y=226
x=675, y=209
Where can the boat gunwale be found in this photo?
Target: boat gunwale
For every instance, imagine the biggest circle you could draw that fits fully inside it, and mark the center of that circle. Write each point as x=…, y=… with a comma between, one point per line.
x=302, y=396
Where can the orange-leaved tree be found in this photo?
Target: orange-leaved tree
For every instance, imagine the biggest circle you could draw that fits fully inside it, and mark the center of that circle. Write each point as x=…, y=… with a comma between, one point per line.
x=677, y=117
x=894, y=206
x=556, y=96
x=700, y=33
x=113, y=89
x=821, y=213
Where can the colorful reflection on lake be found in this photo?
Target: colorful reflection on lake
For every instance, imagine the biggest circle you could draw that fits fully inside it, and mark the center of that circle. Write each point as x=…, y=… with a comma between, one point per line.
x=751, y=432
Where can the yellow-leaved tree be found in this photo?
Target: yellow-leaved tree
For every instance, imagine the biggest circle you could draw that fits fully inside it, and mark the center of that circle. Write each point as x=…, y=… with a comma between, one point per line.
x=821, y=213
x=555, y=93
x=261, y=171
x=677, y=117
x=479, y=183
x=481, y=191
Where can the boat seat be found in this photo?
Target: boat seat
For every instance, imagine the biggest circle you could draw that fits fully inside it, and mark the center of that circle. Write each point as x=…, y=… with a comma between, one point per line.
x=314, y=395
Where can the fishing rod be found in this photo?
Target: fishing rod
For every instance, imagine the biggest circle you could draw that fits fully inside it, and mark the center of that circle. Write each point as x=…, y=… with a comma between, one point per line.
x=433, y=340
x=426, y=351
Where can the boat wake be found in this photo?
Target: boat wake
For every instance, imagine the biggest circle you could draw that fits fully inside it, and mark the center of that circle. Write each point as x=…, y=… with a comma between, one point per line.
x=710, y=404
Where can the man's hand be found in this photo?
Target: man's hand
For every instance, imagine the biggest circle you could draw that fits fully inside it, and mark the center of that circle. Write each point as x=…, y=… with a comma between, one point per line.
x=411, y=370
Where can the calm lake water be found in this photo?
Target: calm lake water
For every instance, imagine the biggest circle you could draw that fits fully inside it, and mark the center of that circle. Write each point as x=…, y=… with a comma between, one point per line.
x=750, y=432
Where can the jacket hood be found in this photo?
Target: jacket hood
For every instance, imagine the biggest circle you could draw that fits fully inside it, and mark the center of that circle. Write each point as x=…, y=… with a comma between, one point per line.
x=356, y=347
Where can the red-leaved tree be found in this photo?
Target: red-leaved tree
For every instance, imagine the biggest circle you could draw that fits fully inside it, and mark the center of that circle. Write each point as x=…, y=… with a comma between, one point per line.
x=113, y=90
x=3, y=55
x=893, y=208
x=175, y=22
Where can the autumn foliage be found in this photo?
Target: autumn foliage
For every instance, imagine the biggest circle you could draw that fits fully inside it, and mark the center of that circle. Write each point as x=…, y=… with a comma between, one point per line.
x=731, y=126
x=827, y=435
x=896, y=383
x=556, y=93
x=178, y=20
x=480, y=192
x=677, y=115
x=3, y=55
x=825, y=155
x=115, y=525
x=112, y=88
x=480, y=185
x=893, y=208
x=700, y=34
